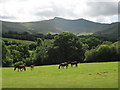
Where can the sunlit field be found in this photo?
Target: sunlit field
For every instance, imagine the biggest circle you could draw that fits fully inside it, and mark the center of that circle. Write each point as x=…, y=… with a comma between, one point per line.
x=86, y=75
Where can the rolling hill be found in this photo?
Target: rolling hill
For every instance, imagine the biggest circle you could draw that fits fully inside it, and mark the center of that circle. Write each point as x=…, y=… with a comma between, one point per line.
x=58, y=25
x=112, y=31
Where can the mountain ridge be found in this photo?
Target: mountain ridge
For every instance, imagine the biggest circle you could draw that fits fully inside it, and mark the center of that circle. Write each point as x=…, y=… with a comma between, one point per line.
x=56, y=25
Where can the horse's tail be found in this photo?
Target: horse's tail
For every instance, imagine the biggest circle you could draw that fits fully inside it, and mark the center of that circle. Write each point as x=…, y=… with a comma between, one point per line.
x=59, y=67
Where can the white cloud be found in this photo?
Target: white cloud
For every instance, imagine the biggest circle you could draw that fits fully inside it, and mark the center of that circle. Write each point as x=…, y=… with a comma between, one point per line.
x=36, y=10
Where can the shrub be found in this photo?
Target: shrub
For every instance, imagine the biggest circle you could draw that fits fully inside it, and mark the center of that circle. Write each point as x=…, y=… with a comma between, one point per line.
x=19, y=63
x=102, y=53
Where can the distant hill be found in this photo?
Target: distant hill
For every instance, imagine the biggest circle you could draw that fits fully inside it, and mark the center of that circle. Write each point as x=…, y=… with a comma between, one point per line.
x=57, y=25
x=112, y=31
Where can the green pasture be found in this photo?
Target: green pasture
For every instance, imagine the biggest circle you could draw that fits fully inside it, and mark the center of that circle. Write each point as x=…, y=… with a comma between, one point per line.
x=86, y=75
x=19, y=41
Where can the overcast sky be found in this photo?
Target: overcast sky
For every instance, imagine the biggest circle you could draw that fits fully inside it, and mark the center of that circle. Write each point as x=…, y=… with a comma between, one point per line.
x=103, y=11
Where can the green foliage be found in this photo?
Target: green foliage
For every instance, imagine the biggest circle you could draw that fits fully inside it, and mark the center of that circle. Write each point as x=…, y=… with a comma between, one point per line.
x=32, y=46
x=6, y=60
x=26, y=35
x=10, y=41
x=67, y=47
x=13, y=53
x=19, y=63
x=19, y=52
x=24, y=51
x=107, y=42
x=39, y=41
x=41, y=53
x=16, y=56
x=93, y=42
x=103, y=52
x=4, y=50
x=117, y=46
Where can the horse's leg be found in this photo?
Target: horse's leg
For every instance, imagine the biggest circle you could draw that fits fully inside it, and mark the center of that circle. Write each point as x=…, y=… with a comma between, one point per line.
x=24, y=68
x=14, y=68
x=32, y=68
x=66, y=66
x=18, y=69
x=21, y=69
x=59, y=67
x=76, y=65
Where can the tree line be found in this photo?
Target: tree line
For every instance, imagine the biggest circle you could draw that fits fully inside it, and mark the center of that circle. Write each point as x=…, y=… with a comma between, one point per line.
x=27, y=36
x=63, y=47
x=33, y=36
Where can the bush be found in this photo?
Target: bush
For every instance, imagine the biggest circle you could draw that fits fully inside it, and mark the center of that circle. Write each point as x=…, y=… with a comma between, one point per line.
x=92, y=42
x=7, y=62
x=28, y=61
x=32, y=46
x=67, y=47
x=19, y=63
x=102, y=53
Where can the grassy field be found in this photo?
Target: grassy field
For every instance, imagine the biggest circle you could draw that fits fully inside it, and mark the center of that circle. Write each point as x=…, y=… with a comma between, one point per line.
x=18, y=41
x=87, y=75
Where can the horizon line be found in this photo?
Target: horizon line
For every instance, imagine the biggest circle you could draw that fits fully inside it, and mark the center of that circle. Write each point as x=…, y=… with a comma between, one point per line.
x=54, y=19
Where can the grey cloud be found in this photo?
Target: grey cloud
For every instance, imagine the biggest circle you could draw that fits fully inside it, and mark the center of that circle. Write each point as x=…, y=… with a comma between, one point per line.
x=119, y=8
x=102, y=8
x=94, y=9
x=46, y=13
x=56, y=11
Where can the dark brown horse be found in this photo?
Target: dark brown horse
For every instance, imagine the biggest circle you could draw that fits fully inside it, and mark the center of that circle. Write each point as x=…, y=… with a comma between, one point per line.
x=74, y=63
x=20, y=67
x=65, y=64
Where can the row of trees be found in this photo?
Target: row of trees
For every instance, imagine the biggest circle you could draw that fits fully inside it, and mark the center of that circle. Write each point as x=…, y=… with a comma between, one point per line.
x=27, y=35
x=104, y=52
x=64, y=47
x=13, y=53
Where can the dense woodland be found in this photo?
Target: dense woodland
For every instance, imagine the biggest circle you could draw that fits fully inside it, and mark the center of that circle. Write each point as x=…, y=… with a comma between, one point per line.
x=39, y=49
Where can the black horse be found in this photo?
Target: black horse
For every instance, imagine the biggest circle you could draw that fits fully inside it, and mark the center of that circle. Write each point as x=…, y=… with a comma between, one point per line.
x=20, y=67
x=74, y=63
x=63, y=65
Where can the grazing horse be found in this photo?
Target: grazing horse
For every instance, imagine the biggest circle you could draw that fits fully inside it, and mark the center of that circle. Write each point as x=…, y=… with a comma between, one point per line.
x=74, y=63
x=20, y=67
x=32, y=67
x=63, y=65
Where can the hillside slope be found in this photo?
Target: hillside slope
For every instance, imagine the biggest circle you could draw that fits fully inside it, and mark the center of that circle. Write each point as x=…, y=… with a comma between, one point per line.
x=112, y=31
x=56, y=25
